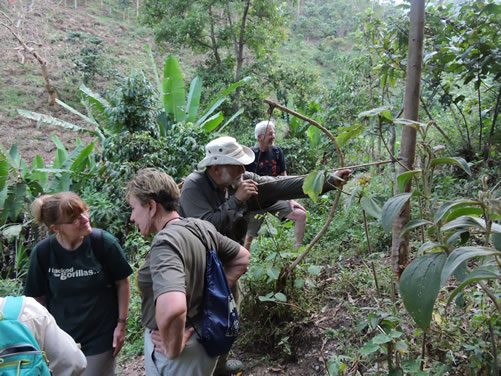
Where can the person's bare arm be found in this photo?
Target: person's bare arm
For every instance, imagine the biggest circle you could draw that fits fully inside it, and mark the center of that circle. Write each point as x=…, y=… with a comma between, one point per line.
x=237, y=266
x=123, y=292
x=171, y=319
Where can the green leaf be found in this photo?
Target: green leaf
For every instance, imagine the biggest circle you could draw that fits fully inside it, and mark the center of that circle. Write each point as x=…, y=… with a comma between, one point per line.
x=479, y=274
x=462, y=254
x=349, y=133
x=456, y=161
x=230, y=120
x=496, y=239
x=314, y=270
x=155, y=70
x=382, y=111
x=429, y=245
x=212, y=123
x=404, y=178
x=15, y=201
x=280, y=297
x=193, y=101
x=267, y=298
x=230, y=89
x=419, y=286
x=410, y=123
x=450, y=205
x=299, y=283
x=12, y=230
x=209, y=113
x=415, y=223
x=82, y=157
x=371, y=206
x=72, y=110
x=466, y=222
x=4, y=172
x=315, y=136
x=313, y=184
x=273, y=273
x=381, y=338
x=369, y=348
x=41, y=176
x=97, y=102
x=466, y=211
x=173, y=89
x=54, y=121
x=392, y=208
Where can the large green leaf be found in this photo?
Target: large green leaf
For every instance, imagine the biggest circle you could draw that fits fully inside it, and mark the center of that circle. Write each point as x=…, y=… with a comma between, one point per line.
x=392, y=208
x=230, y=89
x=209, y=112
x=4, y=171
x=72, y=110
x=450, y=205
x=41, y=176
x=419, y=286
x=496, y=239
x=429, y=245
x=230, y=120
x=415, y=223
x=456, y=161
x=12, y=230
x=15, y=157
x=404, y=178
x=15, y=201
x=82, y=156
x=468, y=221
x=212, y=123
x=313, y=184
x=479, y=274
x=173, y=89
x=371, y=206
x=51, y=120
x=155, y=71
x=348, y=133
x=380, y=111
x=411, y=123
x=97, y=102
x=315, y=136
x=462, y=254
x=193, y=101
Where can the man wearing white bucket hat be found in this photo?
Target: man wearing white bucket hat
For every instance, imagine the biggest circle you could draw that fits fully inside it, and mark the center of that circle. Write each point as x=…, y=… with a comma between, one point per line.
x=225, y=194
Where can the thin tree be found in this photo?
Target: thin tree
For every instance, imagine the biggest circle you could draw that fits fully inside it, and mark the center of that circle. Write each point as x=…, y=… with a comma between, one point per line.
x=400, y=244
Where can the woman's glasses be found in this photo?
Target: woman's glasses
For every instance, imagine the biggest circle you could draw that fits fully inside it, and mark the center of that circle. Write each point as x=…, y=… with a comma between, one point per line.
x=82, y=217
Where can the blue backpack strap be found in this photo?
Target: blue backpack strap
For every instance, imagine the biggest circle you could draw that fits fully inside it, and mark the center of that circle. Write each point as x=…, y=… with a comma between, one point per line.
x=13, y=307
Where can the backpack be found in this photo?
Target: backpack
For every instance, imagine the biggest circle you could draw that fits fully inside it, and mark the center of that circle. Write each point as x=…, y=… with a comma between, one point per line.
x=20, y=353
x=219, y=326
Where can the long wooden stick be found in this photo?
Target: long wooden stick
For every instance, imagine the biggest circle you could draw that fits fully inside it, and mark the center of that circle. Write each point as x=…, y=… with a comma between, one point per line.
x=336, y=169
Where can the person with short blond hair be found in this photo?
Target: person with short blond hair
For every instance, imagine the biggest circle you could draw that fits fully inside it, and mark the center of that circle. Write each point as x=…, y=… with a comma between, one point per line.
x=172, y=278
x=85, y=289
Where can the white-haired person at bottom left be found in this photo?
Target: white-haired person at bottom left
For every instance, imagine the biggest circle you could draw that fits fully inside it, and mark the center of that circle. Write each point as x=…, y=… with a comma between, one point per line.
x=64, y=356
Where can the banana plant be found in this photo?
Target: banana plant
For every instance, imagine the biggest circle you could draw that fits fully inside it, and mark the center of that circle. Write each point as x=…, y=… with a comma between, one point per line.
x=179, y=109
x=20, y=184
x=97, y=115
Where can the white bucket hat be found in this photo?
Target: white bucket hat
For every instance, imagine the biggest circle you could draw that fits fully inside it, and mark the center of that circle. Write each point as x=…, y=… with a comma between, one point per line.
x=226, y=150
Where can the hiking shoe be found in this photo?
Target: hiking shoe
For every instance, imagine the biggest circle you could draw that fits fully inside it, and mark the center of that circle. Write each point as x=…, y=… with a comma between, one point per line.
x=231, y=367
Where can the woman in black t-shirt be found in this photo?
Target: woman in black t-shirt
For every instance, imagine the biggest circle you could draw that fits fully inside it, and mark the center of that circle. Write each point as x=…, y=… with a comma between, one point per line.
x=82, y=277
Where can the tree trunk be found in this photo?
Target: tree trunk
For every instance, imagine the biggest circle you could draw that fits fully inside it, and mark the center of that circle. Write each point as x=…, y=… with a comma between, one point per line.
x=487, y=147
x=400, y=245
x=240, y=55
